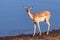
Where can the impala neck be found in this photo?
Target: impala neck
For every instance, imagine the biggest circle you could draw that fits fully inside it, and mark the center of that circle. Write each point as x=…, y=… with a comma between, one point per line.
x=30, y=15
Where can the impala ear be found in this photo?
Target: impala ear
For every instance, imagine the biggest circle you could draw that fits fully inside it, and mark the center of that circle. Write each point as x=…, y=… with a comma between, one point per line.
x=25, y=7
x=31, y=7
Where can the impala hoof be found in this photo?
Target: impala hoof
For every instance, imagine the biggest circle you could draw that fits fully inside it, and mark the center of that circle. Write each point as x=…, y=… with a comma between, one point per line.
x=47, y=33
x=33, y=34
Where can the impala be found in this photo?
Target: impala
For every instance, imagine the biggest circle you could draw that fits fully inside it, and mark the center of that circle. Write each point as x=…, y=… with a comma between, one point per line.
x=39, y=17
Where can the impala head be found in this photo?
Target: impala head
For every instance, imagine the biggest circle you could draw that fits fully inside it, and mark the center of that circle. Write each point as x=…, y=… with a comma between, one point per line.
x=28, y=9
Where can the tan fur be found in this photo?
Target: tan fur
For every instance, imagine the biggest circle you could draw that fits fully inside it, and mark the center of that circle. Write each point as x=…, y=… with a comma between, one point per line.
x=45, y=15
x=39, y=17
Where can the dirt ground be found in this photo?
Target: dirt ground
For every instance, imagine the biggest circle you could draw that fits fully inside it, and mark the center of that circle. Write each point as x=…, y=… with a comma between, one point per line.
x=53, y=35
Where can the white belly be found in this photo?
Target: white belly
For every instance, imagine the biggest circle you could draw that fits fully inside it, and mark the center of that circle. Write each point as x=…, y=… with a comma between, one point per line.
x=39, y=19
x=42, y=19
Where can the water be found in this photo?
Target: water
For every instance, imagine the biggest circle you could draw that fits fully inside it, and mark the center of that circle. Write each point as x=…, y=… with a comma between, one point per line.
x=15, y=21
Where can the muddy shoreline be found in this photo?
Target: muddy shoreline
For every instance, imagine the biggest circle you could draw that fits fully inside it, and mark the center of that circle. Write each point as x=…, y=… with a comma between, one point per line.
x=53, y=35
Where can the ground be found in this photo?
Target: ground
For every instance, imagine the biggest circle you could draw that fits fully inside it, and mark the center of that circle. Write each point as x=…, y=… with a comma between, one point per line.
x=53, y=35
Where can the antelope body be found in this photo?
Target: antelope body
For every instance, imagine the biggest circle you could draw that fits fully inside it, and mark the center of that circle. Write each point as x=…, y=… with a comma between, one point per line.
x=39, y=17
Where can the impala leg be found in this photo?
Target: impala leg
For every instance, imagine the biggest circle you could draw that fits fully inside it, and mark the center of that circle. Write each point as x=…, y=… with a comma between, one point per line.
x=48, y=27
x=34, y=29
x=39, y=28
